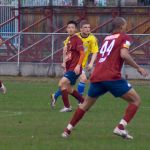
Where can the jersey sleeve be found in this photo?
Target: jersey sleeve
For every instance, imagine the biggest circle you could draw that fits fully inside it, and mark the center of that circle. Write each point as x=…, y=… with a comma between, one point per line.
x=94, y=45
x=126, y=42
x=79, y=44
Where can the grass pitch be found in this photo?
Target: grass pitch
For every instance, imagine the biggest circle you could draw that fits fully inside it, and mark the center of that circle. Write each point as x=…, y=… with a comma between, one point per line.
x=28, y=123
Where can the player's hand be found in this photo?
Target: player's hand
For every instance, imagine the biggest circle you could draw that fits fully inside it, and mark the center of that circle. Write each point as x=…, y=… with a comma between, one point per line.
x=89, y=67
x=142, y=71
x=77, y=69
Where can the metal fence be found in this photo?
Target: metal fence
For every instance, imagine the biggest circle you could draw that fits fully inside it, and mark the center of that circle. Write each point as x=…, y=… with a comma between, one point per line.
x=41, y=54
x=8, y=2
x=47, y=47
x=7, y=12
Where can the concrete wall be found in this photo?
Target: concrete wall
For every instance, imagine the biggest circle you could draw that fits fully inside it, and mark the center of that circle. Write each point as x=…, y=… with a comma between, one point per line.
x=43, y=69
x=30, y=69
x=131, y=73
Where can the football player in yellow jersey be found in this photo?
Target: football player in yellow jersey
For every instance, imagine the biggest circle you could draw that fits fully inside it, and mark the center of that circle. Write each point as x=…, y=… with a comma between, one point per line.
x=90, y=47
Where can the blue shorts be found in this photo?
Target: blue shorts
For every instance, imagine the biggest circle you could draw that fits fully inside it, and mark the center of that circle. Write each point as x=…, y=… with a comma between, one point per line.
x=72, y=77
x=117, y=88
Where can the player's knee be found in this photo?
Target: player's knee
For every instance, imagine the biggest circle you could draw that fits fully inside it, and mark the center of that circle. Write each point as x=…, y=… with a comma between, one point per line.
x=62, y=83
x=85, y=105
x=83, y=79
x=137, y=100
x=70, y=90
x=133, y=97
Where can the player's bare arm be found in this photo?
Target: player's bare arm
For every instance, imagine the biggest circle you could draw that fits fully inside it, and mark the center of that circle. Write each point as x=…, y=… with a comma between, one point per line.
x=64, y=56
x=77, y=68
x=93, y=58
x=124, y=53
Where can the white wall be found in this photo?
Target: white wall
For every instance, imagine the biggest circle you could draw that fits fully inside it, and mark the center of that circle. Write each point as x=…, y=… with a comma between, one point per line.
x=42, y=69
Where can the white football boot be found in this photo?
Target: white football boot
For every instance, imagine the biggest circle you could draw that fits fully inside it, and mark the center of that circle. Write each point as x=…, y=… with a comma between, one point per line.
x=66, y=133
x=65, y=109
x=123, y=133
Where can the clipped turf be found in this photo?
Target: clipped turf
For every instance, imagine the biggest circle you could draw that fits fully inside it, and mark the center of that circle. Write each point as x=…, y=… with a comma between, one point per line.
x=28, y=123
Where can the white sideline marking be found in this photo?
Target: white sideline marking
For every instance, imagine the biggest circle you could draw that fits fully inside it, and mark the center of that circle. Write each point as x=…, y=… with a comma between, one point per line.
x=10, y=114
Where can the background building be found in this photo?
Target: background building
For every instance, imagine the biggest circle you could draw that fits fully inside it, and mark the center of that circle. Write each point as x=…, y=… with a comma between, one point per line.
x=33, y=30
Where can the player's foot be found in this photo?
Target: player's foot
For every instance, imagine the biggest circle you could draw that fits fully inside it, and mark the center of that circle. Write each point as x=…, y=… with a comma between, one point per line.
x=66, y=133
x=53, y=101
x=123, y=133
x=65, y=109
x=3, y=89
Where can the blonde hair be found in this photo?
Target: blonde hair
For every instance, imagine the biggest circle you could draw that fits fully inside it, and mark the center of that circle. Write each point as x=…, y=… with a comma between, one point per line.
x=83, y=22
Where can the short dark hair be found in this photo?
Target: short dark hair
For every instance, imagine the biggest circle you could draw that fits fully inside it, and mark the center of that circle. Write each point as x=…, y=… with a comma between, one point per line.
x=118, y=22
x=72, y=22
x=83, y=22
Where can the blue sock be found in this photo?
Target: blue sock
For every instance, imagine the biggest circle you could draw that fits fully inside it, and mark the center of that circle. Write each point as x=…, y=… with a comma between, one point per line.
x=57, y=93
x=81, y=87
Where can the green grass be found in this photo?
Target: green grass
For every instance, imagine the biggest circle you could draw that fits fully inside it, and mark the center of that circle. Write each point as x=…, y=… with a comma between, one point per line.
x=28, y=123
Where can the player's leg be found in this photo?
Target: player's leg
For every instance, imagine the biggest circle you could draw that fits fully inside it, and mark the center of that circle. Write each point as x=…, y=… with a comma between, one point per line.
x=74, y=92
x=78, y=115
x=2, y=88
x=76, y=95
x=64, y=84
x=134, y=102
x=54, y=97
x=121, y=88
x=82, y=83
x=94, y=92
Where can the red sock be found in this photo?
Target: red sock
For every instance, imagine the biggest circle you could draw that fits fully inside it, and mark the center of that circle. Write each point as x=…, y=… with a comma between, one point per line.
x=77, y=96
x=77, y=116
x=130, y=112
x=65, y=98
